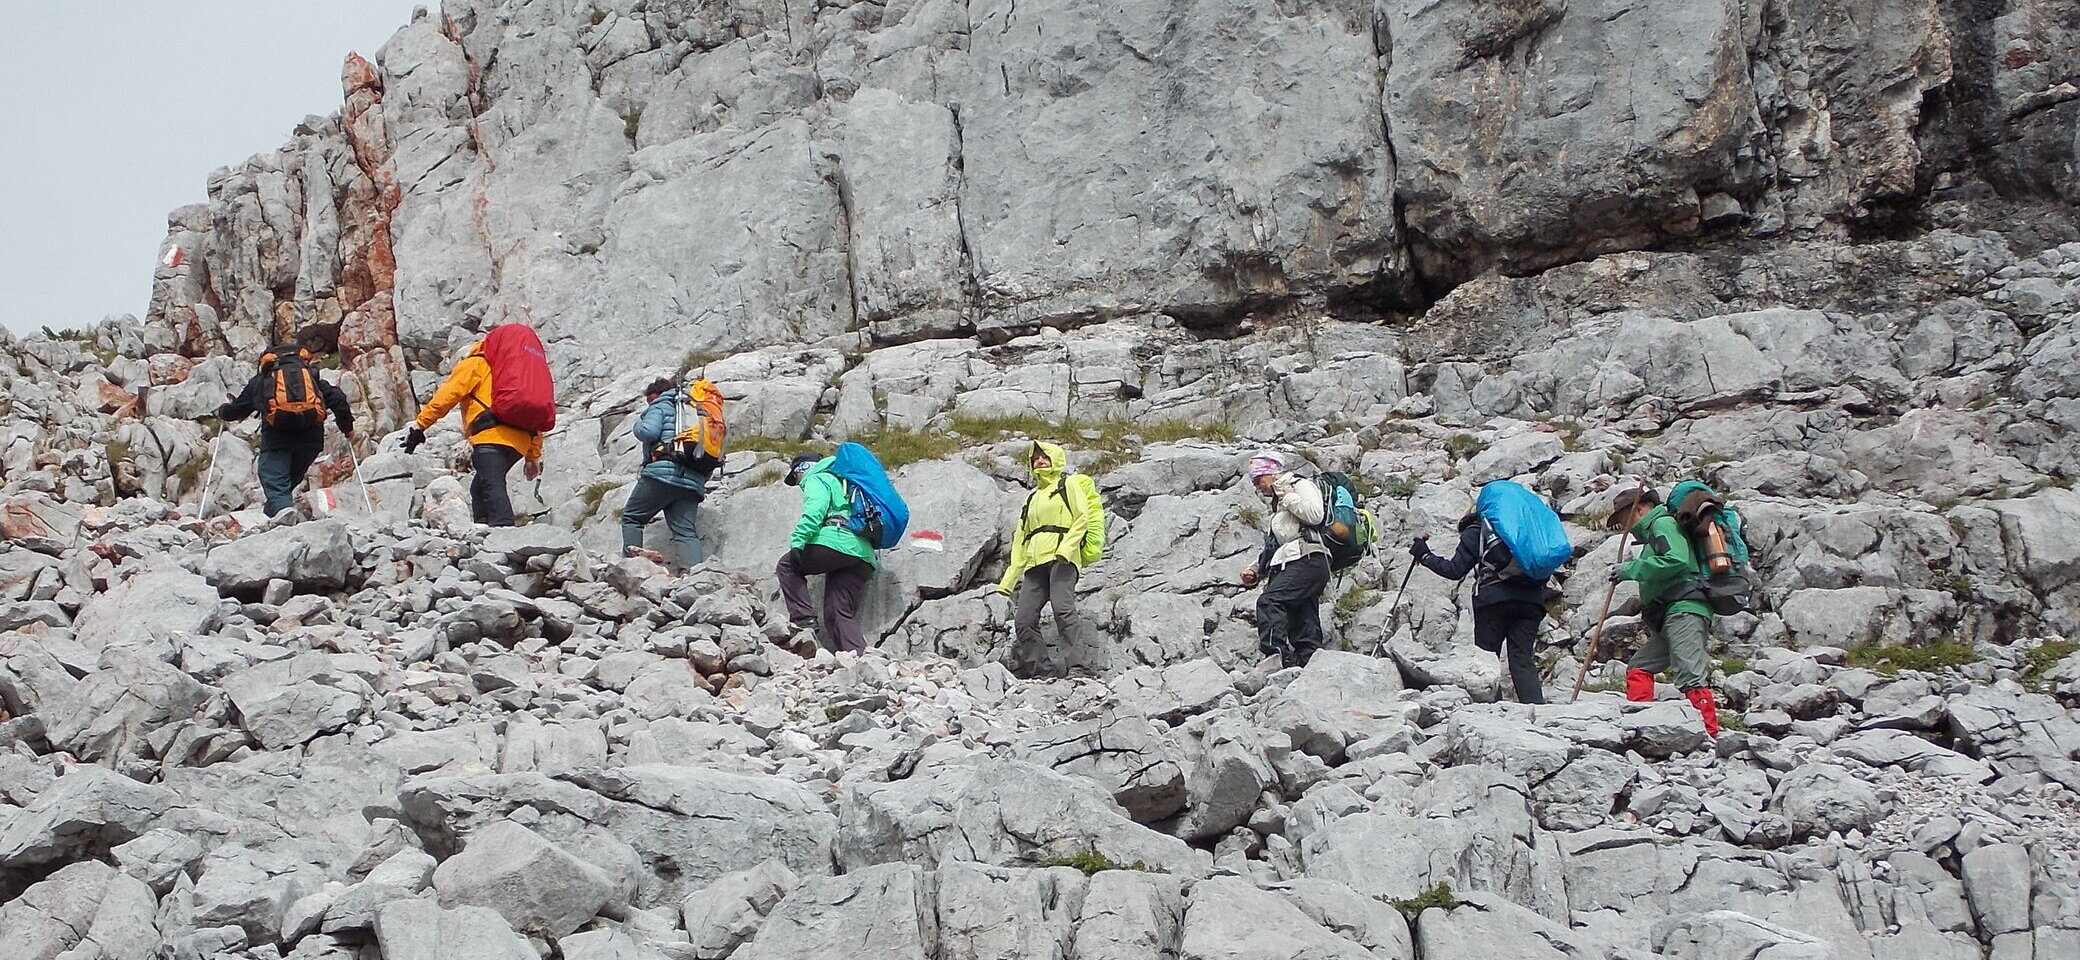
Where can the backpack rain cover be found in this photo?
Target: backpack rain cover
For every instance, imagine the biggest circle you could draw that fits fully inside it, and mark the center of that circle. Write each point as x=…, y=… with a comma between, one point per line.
x=1527, y=526
x=522, y=393
x=857, y=466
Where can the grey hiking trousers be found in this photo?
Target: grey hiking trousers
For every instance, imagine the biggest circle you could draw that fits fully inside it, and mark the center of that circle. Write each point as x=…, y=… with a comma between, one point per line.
x=1678, y=643
x=1051, y=584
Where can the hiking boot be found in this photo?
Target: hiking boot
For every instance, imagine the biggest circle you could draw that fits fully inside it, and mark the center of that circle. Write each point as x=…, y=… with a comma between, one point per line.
x=650, y=555
x=1639, y=686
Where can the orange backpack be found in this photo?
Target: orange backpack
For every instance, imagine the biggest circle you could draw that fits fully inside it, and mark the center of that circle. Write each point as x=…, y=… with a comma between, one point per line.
x=698, y=444
x=295, y=403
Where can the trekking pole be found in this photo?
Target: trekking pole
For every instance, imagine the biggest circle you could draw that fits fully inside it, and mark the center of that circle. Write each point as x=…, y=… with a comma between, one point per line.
x=209, y=480
x=1394, y=612
x=360, y=479
x=1596, y=638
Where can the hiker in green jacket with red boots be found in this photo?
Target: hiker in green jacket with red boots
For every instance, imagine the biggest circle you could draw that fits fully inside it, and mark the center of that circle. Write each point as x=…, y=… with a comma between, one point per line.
x=1678, y=616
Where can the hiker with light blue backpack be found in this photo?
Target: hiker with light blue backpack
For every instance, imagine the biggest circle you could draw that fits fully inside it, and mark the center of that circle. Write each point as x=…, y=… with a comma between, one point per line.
x=849, y=511
x=1515, y=542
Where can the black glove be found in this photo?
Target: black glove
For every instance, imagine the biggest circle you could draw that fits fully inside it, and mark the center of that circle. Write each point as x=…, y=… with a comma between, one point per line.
x=1618, y=573
x=1419, y=548
x=413, y=438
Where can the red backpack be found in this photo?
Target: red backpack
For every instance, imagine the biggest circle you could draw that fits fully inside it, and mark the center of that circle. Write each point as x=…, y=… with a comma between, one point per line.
x=522, y=393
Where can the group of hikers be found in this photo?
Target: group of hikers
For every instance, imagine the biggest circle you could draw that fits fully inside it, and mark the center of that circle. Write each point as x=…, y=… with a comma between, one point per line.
x=1690, y=566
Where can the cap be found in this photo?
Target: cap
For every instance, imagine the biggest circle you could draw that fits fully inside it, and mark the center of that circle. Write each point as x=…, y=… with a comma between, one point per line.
x=797, y=466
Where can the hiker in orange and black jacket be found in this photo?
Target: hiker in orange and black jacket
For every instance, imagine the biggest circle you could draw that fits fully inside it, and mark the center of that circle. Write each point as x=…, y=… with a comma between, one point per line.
x=292, y=429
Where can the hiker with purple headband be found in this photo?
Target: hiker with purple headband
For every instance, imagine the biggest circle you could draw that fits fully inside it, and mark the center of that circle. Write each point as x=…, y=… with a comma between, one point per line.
x=1294, y=564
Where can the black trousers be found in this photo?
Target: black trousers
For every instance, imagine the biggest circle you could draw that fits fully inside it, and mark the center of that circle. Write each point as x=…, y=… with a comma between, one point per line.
x=1289, y=610
x=488, y=501
x=1513, y=623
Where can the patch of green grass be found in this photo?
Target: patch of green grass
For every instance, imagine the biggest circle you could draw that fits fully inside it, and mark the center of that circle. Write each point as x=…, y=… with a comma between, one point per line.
x=1464, y=446
x=1889, y=659
x=1729, y=666
x=694, y=360
x=1439, y=896
x=1116, y=442
x=116, y=451
x=1353, y=600
x=1089, y=434
x=894, y=448
x=1404, y=488
x=191, y=473
x=1250, y=515
x=781, y=445
x=1953, y=583
x=1091, y=862
x=1604, y=686
x=1732, y=720
x=74, y=334
x=592, y=496
x=2040, y=659
x=630, y=123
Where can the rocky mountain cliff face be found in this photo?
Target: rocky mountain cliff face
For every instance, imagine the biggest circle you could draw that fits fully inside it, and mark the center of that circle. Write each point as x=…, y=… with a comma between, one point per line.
x=1822, y=254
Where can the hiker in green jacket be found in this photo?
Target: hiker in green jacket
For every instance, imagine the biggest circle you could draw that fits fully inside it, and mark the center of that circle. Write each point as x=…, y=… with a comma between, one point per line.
x=1678, y=620
x=822, y=545
x=1060, y=531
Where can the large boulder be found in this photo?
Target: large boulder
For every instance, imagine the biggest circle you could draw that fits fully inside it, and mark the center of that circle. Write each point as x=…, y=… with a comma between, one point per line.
x=84, y=909
x=149, y=613
x=1125, y=754
x=1000, y=812
x=313, y=555
x=536, y=886
x=1228, y=918
x=80, y=815
x=697, y=824
x=876, y=913
x=1338, y=699
x=108, y=714
x=412, y=929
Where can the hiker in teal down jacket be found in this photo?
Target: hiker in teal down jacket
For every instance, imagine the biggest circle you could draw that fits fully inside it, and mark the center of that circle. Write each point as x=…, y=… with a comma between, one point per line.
x=665, y=486
x=822, y=545
x=1679, y=621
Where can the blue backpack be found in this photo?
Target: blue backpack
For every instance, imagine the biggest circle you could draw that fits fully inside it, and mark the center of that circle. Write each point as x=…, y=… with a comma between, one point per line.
x=878, y=512
x=1527, y=525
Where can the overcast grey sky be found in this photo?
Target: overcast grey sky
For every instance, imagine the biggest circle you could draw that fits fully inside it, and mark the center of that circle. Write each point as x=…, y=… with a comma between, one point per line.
x=116, y=112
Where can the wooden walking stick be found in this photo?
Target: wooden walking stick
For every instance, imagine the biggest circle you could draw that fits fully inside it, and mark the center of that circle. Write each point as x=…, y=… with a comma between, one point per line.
x=1597, y=637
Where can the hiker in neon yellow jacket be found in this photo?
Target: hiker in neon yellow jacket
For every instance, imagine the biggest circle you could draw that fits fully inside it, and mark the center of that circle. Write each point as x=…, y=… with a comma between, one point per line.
x=1060, y=531
x=821, y=544
x=1678, y=619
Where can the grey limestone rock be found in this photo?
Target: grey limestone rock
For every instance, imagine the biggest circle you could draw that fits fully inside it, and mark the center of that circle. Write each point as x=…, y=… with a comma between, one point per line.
x=319, y=554
x=1820, y=799
x=81, y=814
x=997, y=812
x=146, y=612
x=423, y=930
x=1126, y=754
x=83, y=909
x=1227, y=918
x=724, y=914
x=539, y=888
x=882, y=912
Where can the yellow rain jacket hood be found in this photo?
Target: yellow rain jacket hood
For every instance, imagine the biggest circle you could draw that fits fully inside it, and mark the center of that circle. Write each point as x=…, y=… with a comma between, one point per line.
x=1063, y=519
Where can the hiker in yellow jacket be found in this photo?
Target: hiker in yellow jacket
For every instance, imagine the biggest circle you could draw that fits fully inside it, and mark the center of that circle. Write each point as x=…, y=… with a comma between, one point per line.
x=493, y=449
x=1060, y=531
